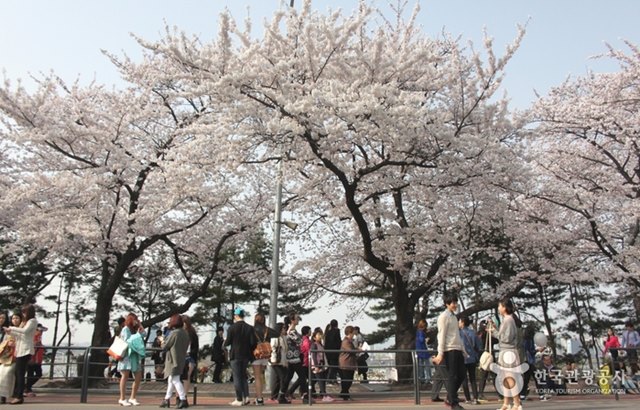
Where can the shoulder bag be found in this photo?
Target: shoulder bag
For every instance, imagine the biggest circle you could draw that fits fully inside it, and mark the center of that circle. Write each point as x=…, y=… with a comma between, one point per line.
x=118, y=348
x=486, y=359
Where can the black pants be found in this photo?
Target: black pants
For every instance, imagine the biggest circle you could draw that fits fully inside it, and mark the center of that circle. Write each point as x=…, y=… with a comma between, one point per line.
x=346, y=380
x=217, y=371
x=279, y=387
x=20, y=372
x=363, y=367
x=334, y=371
x=454, y=361
x=34, y=373
x=528, y=375
x=301, y=382
x=470, y=370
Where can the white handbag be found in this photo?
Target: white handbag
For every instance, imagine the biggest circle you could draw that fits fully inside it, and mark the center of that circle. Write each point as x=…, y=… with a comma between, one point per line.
x=486, y=359
x=118, y=348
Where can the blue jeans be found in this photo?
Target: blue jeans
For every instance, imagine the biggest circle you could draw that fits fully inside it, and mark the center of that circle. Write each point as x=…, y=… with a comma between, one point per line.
x=240, y=382
x=424, y=369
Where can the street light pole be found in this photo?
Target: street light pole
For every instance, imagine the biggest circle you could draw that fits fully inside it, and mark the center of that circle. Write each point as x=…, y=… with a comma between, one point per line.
x=275, y=260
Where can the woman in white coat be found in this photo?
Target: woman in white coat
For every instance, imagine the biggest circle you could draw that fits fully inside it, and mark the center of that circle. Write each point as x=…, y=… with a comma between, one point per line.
x=24, y=349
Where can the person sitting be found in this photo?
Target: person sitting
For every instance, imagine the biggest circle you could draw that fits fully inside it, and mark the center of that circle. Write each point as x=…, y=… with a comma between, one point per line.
x=549, y=378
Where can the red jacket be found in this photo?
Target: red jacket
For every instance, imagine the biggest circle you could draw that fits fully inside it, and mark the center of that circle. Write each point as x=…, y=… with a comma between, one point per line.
x=38, y=356
x=612, y=342
x=305, y=347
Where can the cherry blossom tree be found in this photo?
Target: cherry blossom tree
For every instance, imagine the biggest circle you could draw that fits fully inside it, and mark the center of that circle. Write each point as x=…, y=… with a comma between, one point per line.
x=109, y=175
x=587, y=158
x=394, y=144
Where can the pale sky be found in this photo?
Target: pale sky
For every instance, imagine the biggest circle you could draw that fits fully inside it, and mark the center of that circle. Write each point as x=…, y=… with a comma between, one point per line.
x=66, y=36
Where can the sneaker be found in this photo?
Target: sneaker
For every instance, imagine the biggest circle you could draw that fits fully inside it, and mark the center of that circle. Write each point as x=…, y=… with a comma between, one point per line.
x=327, y=399
x=544, y=398
x=124, y=403
x=260, y=402
x=247, y=401
x=436, y=399
x=134, y=402
x=237, y=403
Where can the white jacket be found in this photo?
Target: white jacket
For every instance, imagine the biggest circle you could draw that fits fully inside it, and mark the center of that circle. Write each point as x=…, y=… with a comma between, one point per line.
x=24, y=337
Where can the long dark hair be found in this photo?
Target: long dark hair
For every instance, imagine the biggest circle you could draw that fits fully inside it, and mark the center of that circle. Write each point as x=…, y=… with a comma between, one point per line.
x=7, y=320
x=28, y=312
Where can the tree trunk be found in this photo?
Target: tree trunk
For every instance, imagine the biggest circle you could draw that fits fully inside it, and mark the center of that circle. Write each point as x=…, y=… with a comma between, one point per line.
x=544, y=305
x=101, y=336
x=405, y=333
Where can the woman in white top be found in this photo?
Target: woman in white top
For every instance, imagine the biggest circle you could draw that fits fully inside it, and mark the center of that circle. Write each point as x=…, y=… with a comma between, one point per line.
x=508, y=359
x=24, y=349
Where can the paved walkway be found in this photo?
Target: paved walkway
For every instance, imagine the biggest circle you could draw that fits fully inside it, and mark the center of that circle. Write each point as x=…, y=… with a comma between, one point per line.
x=216, y=396
x=60, y=401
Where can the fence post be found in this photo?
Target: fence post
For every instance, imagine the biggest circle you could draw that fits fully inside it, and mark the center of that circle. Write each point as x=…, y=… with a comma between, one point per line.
x=309, y=398
x=85, y=376
x=416, y=377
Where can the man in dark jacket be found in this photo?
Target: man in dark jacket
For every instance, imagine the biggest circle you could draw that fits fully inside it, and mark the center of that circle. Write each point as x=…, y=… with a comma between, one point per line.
x=243, y=341
x=218, y=355
x=332, y=341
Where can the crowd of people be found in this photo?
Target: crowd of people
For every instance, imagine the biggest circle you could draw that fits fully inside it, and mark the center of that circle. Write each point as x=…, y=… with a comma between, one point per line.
x=21, y=354
x=334, y=358
x=458, y=350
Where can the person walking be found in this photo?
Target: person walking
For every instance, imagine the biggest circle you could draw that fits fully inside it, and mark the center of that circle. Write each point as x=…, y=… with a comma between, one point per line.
x=278, y=363
x=23, y=334
x=192, y=353
x=133, y=333
x=242, y=339
x=332, y=342
x=319, y=365
x=450, y=349
x=175, y=348
x=473, y=347
x=361, y=344
x=294, y=355
x=34, y=368
x=348, y=362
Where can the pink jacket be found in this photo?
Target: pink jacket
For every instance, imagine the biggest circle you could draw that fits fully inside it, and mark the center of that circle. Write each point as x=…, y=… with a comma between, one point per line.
x=305, y=347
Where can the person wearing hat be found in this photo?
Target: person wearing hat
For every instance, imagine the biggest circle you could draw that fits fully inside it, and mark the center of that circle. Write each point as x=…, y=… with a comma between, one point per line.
x=242, y=339
x=34, y=368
